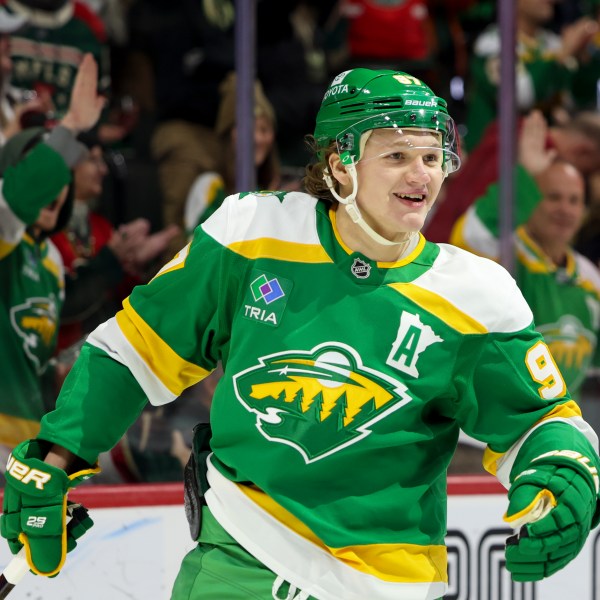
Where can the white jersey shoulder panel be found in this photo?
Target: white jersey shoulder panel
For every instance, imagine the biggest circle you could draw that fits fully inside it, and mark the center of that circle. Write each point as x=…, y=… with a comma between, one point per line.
x=264, y=215
x=479, y=287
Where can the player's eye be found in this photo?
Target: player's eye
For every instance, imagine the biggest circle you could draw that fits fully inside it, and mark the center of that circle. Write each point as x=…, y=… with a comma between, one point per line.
x=433, y=158
x=395, y=155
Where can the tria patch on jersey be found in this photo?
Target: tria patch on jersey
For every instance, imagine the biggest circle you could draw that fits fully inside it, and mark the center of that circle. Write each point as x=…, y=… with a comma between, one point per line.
x=318, y=401
x=266, y=298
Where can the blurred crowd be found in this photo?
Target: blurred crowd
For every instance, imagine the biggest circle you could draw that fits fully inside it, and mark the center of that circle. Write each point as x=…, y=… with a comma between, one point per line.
x=161, y=158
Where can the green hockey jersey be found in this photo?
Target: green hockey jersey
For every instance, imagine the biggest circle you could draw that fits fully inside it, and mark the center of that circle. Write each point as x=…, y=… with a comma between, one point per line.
x=31, y=291
x=345, y=383
x=565, y=300
x=46, y=58
x=542, y=80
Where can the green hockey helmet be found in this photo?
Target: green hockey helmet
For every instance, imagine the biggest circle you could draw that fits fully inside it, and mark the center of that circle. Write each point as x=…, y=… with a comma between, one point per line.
x=360, y=100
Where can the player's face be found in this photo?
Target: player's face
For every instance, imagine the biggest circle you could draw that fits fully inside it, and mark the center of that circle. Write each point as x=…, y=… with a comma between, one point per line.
x=559, y=215
x=399, y=178
x=50, y=213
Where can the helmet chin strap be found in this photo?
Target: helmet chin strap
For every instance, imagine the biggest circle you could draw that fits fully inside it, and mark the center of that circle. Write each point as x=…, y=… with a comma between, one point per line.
x=351, y=206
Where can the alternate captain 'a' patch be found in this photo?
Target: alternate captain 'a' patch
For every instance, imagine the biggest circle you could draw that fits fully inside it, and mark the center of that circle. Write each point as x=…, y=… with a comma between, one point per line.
x=318, y=402
x=266, y=298
x=412, y=339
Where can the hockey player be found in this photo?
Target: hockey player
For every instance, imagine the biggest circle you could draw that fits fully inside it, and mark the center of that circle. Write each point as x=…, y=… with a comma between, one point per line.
x=353, y=352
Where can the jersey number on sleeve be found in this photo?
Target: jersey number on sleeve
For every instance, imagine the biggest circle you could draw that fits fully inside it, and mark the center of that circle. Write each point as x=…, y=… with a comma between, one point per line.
x=543, y=370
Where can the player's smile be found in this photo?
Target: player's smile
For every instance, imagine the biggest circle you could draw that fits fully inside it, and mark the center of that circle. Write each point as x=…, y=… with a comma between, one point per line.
x=411, y=199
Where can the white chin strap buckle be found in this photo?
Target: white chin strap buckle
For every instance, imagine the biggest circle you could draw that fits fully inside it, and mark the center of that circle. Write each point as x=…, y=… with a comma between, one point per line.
x=352, y=210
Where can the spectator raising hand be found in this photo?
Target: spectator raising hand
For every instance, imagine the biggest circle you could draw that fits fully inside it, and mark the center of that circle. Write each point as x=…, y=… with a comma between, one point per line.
x=534, y=153
x=86, y=103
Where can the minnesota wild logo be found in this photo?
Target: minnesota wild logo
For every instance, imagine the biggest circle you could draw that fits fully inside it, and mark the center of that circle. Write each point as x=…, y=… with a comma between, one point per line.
x=572, y=345
x=320, y=401
x=35, y=322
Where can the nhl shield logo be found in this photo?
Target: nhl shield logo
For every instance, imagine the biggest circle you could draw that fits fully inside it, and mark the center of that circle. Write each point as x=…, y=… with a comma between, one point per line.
x=360, y=268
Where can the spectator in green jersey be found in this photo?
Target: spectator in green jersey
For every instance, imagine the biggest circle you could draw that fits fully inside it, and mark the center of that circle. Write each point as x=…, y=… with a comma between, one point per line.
x=546, y=65
x=36, y=201
x=561, y=285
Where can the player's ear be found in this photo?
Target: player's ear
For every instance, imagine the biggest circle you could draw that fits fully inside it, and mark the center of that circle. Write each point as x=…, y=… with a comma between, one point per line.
x=338, y=169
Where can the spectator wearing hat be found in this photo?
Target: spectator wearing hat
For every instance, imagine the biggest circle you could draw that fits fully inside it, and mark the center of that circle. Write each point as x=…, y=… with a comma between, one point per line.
x=208, y=189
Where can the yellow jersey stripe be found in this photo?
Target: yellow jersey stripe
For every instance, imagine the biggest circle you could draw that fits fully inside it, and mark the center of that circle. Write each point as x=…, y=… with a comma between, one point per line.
x=457, y=235
x=458, y=238
x=406, y=260
x=399, y=563
x=442, y=308
x=563, y=411
x=589, y=286
x=382, y=265
x=213, y=187
x=175, y=373
x=567, y=410
x=53, y=268
x=490, y=460
x=280, y=250
x=13, y=430
x=177, y=262
x=6, y=248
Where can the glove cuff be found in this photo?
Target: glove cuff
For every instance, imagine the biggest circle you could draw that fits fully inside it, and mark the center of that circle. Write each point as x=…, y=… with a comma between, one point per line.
x=27, y=472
